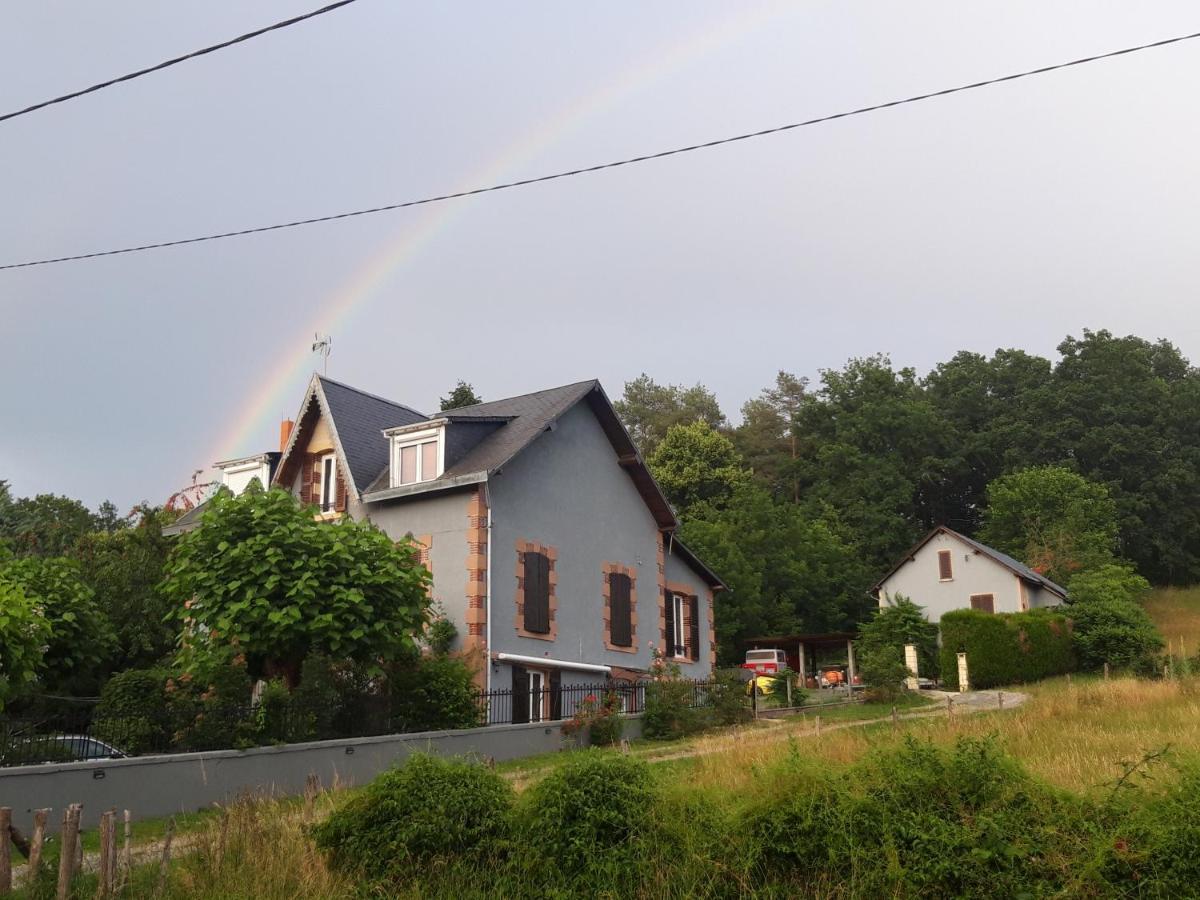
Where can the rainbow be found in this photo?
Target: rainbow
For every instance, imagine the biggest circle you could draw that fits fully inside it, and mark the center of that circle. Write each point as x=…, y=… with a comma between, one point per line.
x=254, y=425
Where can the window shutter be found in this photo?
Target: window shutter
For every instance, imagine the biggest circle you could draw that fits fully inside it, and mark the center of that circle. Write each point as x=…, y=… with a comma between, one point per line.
x=340, y=501
x=983, y=602
x=694, y=635
x=555, y=694
x=619, y=613
x=945, y=565
x=537, y=593
x=520, y=695
x=669, y=646
x=306, y=479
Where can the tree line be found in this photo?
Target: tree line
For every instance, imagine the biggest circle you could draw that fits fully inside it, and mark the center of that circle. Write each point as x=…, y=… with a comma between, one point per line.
x=822, y=486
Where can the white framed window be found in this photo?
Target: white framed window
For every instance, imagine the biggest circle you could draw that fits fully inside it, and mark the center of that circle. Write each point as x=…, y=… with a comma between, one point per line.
x=327, y=489
x=417, y=456
x=681, y=604
x=537, y=685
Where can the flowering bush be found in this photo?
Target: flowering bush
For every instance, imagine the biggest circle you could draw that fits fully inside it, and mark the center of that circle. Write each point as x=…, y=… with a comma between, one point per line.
x=601, y=718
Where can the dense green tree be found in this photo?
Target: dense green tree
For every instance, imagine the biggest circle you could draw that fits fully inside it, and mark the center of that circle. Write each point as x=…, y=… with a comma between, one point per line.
x=23, y=635
x=1052, y=519
x=1109, y=582
x=262, y=574
x=898, y=623
x=125, y=568
x=80, y=640
x=462, y=395
x=46, y=525
x=696, y=464
x=767, y=437
x=786, y=571
x=649, y=409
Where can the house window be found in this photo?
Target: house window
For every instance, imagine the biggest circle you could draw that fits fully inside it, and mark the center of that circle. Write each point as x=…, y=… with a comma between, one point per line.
x=983, y=602
x=328, y=489
x=416, y=457
x=945, y=566
x=536, y=575
x=680, y=638
x=620, y=609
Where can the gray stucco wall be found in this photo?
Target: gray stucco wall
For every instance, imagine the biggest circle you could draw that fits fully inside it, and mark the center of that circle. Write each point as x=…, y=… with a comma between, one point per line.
x=679, y=572
x=567, y=491
x=974, y=573
x=153, y=786
x=443, y=517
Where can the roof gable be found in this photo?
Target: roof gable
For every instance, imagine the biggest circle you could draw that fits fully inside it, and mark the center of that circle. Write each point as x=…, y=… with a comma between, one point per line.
x=1017, y=567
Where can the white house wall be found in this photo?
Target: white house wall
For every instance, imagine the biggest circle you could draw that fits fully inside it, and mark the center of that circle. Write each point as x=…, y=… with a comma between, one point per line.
x=974, y=573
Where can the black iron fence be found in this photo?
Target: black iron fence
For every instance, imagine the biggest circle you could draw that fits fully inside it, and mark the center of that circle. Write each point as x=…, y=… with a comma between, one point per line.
x=83, y=731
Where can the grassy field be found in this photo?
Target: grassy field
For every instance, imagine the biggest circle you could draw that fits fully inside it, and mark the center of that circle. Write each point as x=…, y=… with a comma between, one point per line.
x=1176, y=612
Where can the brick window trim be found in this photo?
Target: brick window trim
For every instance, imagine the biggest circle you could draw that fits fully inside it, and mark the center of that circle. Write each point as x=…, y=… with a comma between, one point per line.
x=551, y=554
x=612, y=568
x=692, y=654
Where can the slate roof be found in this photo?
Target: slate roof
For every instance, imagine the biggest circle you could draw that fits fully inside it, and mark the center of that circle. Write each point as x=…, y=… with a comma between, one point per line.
x=1015, y=566
x=358, y=418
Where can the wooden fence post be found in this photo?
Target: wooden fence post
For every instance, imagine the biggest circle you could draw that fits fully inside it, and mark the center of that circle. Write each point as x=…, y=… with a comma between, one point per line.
x=1106, y=671
x=126, y=853
x=68, y=842
x=165, y=863
x=108, y=837
x=817, y=719
x=5, y=850
x=895, y=718
x=36, y=842
x=1000, y=699
x=949, y=708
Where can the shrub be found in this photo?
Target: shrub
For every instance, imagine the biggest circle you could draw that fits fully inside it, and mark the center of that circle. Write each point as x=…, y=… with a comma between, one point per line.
x=435, y=692
x=1116, y=632
x=426, y=808
x=132, y=713
x=592, y=807
x=600, y=717
x=1112, y=581
x=1006, y=648
x=729, y=700
x=883, y=671
x=902, y=622
x=669, y=712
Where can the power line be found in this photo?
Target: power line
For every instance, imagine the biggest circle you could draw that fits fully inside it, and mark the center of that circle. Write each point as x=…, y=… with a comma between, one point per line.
x=585, y=170
x=177, y=60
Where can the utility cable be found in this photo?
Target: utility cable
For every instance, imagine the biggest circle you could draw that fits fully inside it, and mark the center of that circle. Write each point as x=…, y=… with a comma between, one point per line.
x=585, y=170
x=176, y=61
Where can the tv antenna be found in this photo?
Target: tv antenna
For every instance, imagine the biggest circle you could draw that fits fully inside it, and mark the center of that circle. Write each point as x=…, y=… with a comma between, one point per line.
x=323, y=344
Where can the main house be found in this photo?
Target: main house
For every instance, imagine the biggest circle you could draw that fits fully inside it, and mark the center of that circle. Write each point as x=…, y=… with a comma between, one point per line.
x=551, y=546
x=946, y=570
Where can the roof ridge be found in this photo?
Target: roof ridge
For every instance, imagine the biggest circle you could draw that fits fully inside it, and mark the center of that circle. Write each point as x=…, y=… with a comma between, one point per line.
x=350, y=387
x=561, y=387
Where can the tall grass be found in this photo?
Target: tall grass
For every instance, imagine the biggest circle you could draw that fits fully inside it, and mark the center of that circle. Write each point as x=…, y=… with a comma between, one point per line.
x=1176, y=612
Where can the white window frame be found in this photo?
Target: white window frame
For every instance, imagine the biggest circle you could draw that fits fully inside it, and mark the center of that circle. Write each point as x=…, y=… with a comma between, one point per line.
x=537, y=690
x=405, y=439
x=327, y=481
x=681, y=602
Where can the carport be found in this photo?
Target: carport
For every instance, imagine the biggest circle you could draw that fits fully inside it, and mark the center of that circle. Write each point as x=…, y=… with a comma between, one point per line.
x=807, y=654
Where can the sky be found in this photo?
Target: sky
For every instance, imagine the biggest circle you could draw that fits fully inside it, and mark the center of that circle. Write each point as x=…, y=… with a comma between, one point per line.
x=1006, y=217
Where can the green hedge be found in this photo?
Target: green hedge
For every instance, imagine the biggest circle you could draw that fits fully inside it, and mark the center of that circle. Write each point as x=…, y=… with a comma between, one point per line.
x=1008, y=648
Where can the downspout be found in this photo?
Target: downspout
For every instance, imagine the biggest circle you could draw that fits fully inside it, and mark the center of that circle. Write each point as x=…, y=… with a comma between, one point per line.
x=487, y=499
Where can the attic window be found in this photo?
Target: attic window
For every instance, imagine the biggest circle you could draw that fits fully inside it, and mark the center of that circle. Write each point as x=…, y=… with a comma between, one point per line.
x=417, y=456
x=945, y=566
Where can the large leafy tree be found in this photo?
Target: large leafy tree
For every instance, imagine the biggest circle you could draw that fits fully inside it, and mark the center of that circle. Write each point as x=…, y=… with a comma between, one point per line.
x=767, y=436
x=462, y=395
x=898, y=623
x=45, y=525
x=23, y=635
x=79, y=640
x=125, y=568
x=696, y=464
x=649, y=409
x=1053, y=519
x=263, y=575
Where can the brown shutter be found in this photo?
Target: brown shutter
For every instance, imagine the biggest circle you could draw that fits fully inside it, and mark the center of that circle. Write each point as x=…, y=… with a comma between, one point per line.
x=555, y=694
x=537, y=593
x=983, y=602
x=945, y=565
x=669, y=643
x=340, y=501
x=520, y=695
x=306, y=479
x=694, y=634
x=619, y=612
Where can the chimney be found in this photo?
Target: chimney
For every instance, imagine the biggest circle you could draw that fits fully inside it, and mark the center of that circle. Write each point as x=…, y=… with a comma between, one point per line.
x=285, y=432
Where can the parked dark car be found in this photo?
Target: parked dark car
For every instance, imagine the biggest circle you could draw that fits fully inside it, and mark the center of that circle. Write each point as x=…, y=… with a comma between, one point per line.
x=50, y=748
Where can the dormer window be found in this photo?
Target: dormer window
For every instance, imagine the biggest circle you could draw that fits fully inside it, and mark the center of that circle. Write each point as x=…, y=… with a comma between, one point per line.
x=327, y=493
x=417, y=454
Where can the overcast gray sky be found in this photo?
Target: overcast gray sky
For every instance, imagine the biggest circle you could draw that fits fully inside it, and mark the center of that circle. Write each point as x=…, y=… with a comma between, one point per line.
x=1009, y=216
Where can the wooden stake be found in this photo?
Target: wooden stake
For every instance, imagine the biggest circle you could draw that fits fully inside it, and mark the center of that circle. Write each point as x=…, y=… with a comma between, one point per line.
x=1000, y=699
x=126, y=862
x=35, y=843
x=165, y=863
x=949, y=708
x=68, y=843
x=817, y=718
x=895, y=718
x=108, y=856
x=1106, y=671
x=5, y=850
x=1068, y=679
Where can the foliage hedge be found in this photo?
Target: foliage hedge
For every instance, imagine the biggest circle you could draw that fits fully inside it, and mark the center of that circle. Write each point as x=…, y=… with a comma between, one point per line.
x=1006, y=648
